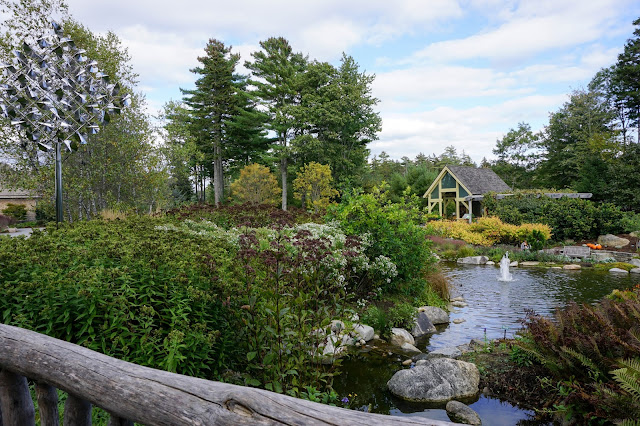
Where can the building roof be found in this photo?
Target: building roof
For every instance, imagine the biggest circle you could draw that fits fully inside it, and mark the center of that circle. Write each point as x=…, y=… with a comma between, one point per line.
x=13, y=194
x=479, y=180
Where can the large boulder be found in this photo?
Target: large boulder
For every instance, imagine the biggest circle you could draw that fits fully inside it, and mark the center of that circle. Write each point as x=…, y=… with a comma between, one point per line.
x=572, y=267
x=422, y=326
x=436, y=380
x=365, y=332
x=473, y=260
x=436, y=315
x=611, y=240
x=618, y=271
x=399, y=336
x=635, y=262
x=461, y=413
x=635, y=271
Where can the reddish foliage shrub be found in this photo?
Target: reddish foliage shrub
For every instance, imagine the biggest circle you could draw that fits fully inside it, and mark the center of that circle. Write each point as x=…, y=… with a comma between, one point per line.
x=251, y=215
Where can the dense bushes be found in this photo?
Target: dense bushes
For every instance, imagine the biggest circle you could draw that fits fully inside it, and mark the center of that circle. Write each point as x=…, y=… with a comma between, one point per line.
x=487, y=231
x=125, y=289
x=394, y=230
x=581, y=348
x=569, y=218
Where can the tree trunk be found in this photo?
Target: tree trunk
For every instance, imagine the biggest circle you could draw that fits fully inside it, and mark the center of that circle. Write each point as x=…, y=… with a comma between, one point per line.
x=283, y=172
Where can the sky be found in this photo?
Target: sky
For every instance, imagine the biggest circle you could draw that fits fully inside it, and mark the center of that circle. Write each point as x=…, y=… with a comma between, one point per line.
x=448, y=72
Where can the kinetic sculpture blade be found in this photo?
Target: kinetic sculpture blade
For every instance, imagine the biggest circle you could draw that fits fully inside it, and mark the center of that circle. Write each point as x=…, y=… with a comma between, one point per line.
x=55, y=96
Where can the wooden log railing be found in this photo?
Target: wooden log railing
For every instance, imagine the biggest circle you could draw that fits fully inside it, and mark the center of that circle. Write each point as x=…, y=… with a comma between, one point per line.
x=132, y=393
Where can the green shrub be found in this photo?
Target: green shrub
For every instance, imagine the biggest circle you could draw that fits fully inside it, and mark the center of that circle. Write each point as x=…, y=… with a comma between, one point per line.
x=466, y=251
x=630, y=222
x=394, y=230
x=402, y=315
x=16, y=211
x=376, y=318
x=569, y=218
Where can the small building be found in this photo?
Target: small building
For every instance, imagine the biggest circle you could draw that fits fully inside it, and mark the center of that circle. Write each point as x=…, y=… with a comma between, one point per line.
x=459, y=186
x=18, y=196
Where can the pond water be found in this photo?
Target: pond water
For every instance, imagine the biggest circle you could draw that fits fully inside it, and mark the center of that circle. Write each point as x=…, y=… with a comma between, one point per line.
x=494, y=309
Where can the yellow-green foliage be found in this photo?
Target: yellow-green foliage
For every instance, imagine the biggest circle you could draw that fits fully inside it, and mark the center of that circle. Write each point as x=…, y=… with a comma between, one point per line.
x=620, y=265
x=313, y=184
x=256, y=185
x=488, y=231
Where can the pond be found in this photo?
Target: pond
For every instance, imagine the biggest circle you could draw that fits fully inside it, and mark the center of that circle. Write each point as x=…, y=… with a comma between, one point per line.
x=494, y=309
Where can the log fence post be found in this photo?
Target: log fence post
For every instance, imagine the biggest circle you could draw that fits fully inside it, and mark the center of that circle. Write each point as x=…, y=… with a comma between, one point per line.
x=77, y=412
x=15, y=399
x=47, y=404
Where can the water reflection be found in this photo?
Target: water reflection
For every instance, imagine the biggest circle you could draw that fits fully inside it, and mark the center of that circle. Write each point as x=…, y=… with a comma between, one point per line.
x=496, y=306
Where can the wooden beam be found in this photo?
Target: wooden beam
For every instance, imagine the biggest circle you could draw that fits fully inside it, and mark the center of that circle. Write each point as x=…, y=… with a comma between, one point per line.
x=149, y=396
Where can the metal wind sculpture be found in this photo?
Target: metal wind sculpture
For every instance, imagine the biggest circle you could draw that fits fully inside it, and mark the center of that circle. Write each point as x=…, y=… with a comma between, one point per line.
x=56, y=97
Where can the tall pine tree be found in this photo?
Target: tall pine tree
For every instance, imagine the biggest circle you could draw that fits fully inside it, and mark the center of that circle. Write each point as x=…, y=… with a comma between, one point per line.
x=213, y=105
x=277, y=70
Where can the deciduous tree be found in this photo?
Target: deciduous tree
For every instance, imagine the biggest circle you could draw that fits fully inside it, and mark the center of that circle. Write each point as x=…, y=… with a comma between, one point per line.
x=313, y=186
x=256, y=185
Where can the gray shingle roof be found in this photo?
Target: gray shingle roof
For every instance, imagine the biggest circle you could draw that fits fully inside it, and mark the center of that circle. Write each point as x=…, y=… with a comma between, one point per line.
x=479, y=180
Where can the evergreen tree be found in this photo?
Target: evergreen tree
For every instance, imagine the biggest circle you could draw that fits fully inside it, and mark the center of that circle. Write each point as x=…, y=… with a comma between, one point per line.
x=277, y=70
x=214, y=104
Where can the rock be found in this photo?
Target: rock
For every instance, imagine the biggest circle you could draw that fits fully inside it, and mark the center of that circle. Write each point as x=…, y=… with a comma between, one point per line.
x=400, y=336
x=556, y=267
x=635, y=234
x=362, y=341
x=618, y=271
x=408, y=347
x=436, y=315
x=571, y=267
x=476, y=344
x=337, y=326
x=458, y=321
x=407, y=362
x=421, y=362
x=458, y=304
x=611, y=240
x=376, y=337
x=436, y=380
x=458, y=299
x=513, y=264
x=529, y=263
x=464, y=348
x=363, y=331
x=473, y=260
x=460, y=413
x=601, y=257
x=422, y=326
x=436, y=257
x=348, y=339
x=447, y=352
x=490, y=262
x=635, y=262
x=330, y=350
x=635, y=271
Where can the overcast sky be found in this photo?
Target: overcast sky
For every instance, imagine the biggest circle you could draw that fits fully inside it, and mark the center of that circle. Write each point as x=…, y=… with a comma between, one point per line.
x=448, y=72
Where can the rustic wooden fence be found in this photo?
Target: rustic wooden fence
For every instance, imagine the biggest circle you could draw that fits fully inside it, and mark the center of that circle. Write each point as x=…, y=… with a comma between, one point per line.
x=132, y=393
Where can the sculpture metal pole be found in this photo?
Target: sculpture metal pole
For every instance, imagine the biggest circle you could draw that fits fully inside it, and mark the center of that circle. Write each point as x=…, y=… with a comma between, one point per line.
x=55, y=96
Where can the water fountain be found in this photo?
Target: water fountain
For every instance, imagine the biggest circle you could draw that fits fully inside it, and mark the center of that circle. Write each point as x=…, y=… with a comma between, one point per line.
x=505, y=275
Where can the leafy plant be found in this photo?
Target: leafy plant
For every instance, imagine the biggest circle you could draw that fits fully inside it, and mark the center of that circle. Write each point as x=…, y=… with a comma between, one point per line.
x=16, y=211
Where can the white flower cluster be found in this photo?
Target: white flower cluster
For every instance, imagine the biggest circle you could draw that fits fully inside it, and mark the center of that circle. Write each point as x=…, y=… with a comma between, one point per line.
x=340, y=262
x=385, y=267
